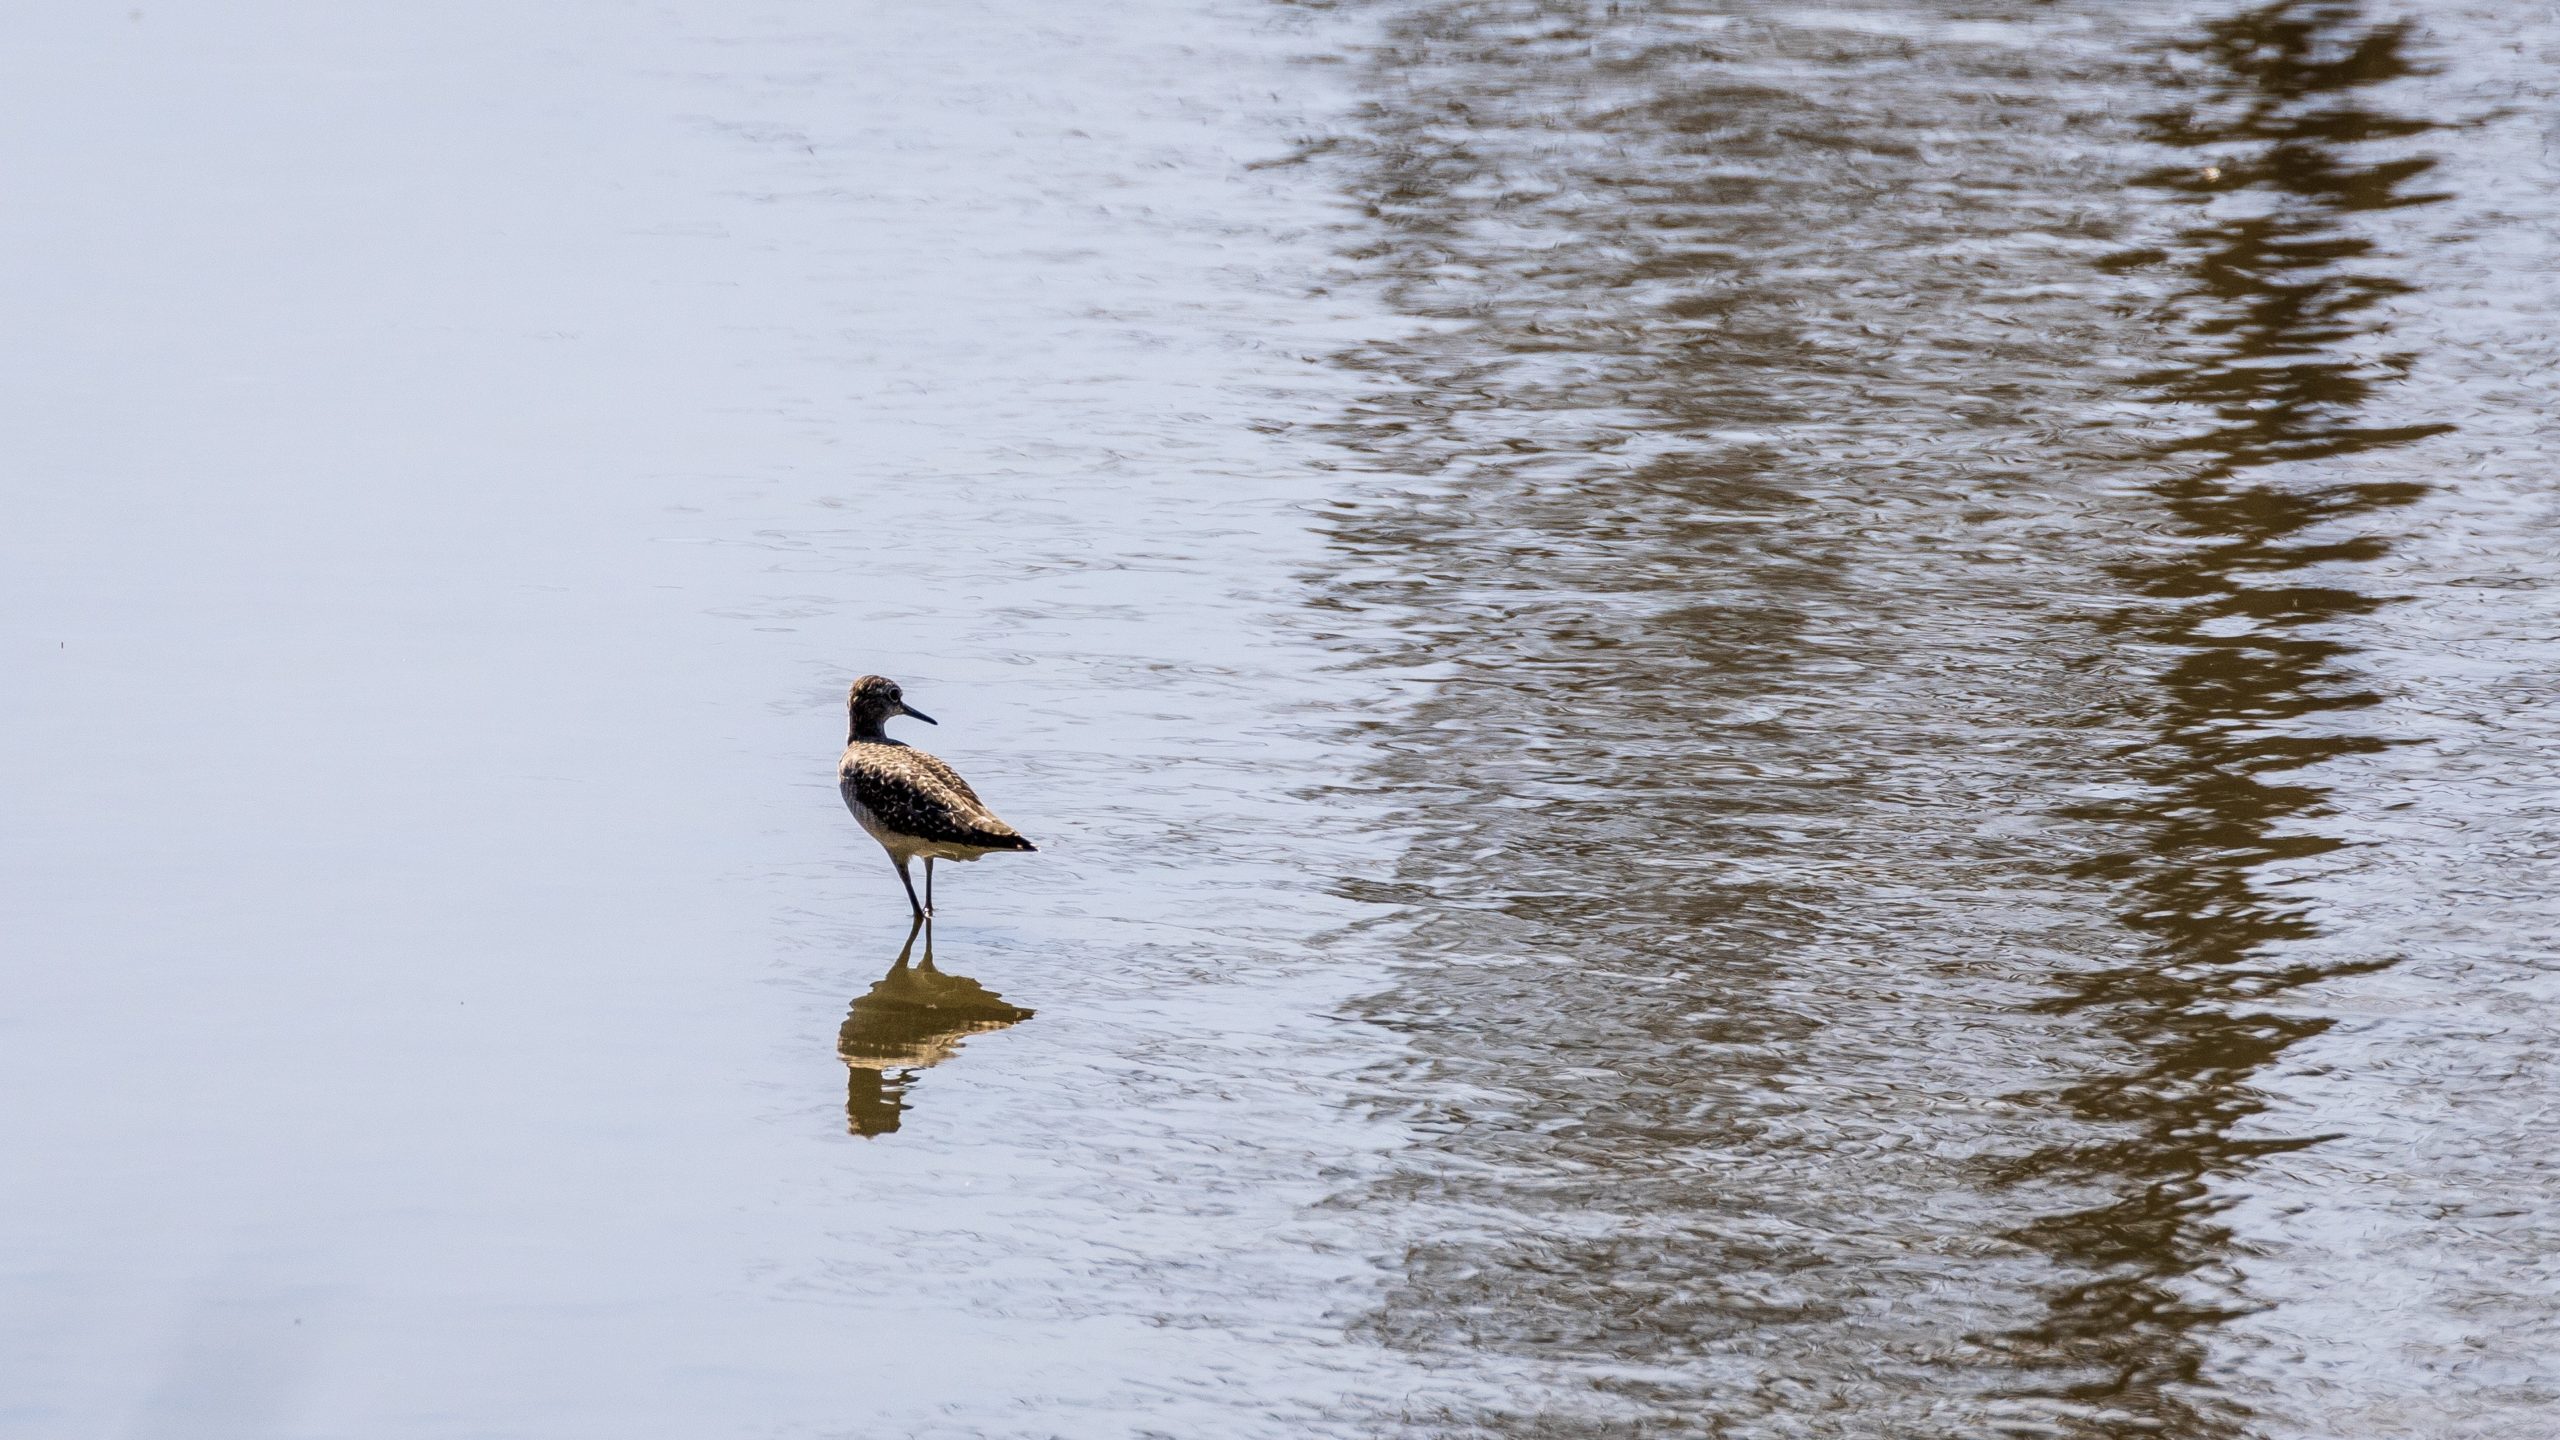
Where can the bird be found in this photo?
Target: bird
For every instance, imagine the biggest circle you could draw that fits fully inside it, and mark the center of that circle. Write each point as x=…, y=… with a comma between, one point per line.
x=910, y=802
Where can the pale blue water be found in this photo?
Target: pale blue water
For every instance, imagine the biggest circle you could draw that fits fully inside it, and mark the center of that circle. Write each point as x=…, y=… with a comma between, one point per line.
x=1752, y=721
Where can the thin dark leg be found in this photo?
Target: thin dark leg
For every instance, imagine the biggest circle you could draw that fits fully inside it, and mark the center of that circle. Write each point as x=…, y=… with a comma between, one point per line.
x=909, y=948
x=911, y=890
x=928, y=884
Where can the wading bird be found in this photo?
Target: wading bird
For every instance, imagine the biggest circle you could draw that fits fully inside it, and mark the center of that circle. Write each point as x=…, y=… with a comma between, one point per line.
x=910, y=802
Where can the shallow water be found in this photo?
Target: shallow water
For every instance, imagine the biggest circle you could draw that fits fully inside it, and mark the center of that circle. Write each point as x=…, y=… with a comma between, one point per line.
x=1768, y=721
x=1942, y=907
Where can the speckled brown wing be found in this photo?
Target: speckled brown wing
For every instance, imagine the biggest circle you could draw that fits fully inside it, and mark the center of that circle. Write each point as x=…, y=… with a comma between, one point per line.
x=915, y=794
x=951, y=777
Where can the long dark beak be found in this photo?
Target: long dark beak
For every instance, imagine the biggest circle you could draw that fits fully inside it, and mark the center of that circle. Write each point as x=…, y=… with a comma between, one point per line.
x=906, y=709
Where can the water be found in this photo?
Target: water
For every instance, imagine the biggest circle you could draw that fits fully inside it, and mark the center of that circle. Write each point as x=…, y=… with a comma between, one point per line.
x=1752, y=721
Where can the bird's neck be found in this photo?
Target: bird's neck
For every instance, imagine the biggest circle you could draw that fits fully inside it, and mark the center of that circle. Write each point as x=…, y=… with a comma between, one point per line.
x=868, y=727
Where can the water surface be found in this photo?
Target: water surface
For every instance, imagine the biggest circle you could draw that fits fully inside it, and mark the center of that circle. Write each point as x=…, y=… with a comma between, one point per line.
x=1746, y=720
x=1913, y=513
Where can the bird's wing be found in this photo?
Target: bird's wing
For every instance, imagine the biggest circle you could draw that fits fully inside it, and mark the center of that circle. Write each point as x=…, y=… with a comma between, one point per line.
x=914, y=794
x=951, y=777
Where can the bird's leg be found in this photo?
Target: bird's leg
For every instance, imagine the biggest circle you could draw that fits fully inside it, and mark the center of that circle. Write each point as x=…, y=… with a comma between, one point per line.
x=911, y=890
x=909, y=948
x=928, y=884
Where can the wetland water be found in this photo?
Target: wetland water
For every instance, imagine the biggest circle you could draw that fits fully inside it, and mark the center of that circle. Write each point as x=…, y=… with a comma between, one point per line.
x=1746, y=720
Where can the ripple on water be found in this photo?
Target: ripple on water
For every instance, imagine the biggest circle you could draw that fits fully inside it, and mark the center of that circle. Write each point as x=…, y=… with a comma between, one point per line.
x=1904, y=511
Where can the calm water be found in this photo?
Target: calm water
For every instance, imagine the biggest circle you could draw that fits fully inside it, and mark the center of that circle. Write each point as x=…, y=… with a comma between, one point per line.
x=1746, y=720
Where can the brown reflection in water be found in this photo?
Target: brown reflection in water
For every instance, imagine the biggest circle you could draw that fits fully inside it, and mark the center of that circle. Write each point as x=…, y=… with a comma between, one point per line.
x=1723, y=502
x=912, y=1018
x=1737, y=518
x=2275, y=292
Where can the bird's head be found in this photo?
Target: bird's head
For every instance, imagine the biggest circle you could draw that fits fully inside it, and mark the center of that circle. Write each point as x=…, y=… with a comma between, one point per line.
x=874, y=699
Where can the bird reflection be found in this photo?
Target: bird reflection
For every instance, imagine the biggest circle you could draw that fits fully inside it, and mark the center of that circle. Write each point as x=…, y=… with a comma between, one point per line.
x=913, y=1017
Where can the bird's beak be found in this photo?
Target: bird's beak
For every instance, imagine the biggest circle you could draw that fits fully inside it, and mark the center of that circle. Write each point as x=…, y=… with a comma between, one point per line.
x=906, y=709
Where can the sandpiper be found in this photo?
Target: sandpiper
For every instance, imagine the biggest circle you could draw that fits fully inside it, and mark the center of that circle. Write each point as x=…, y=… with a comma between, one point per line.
x=912, y=803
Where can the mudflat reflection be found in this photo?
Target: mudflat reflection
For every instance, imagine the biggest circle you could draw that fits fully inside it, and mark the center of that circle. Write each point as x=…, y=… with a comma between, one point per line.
x=2277, y=359
x=911, y=1019
x=1722, y=504
x=1833, y=966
